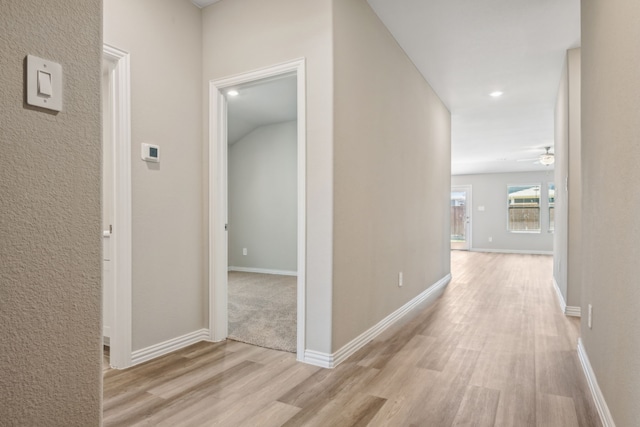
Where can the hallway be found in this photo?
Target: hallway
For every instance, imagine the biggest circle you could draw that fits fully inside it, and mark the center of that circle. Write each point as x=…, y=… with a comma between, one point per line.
x=494, y=350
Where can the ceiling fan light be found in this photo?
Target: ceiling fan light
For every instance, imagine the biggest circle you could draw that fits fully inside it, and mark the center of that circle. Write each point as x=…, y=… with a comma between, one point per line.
x=547, y=159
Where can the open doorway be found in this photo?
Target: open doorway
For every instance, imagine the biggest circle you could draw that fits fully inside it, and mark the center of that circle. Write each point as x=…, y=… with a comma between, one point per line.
x=262, y=212
x=257, y=201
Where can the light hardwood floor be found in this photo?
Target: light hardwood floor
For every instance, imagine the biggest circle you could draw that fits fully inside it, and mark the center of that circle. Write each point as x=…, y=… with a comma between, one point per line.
x=494, y=350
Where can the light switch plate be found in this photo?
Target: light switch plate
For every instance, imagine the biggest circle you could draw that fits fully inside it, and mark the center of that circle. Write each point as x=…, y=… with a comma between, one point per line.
x=44, y=83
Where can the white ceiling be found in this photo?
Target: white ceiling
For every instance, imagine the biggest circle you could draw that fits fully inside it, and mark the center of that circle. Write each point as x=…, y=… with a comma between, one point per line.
x=259, y=104
x=204, y=3
x=467, y=49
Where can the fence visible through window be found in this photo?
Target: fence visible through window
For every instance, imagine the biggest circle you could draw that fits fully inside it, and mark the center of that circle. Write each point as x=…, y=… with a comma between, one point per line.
x=523, y=203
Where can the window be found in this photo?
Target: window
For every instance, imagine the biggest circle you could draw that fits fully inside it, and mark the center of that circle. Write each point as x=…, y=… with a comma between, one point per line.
x=552, y=204
x=523, y=203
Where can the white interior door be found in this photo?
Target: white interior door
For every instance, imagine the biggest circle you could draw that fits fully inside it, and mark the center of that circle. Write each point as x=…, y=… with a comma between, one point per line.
x=461, y=218
x=116, y=201
x=108, y=197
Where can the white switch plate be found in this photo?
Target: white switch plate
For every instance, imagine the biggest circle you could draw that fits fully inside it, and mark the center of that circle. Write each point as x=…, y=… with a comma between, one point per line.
x=244, y=251
x=44, y=83
x=400, y=279
x=589, y=315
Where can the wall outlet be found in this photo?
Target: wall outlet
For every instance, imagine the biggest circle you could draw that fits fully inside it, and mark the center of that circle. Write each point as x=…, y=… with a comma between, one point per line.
x=400, y=279
x=589, y=315
x=490, y=239
x=244, y=251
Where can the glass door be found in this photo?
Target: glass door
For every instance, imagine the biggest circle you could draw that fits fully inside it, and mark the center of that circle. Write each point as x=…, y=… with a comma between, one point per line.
x=461, y=218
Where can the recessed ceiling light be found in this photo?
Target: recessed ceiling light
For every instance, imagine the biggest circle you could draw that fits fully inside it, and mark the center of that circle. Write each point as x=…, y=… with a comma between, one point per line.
x=233, y=92
x=496, y=94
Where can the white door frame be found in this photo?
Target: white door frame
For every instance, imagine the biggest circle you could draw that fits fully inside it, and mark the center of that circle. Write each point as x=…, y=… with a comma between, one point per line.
x=218, y=249
x=469, y=211
x=120, y=341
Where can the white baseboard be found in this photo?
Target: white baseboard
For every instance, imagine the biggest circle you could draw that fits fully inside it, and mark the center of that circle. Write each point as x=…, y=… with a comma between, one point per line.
x=316, y=358
x=264, y=271
x=601, y=404
x=512, y=251
x=573, y=311
x=157, y=350
x=568, y=310
x=563, y=304
x=326, y=360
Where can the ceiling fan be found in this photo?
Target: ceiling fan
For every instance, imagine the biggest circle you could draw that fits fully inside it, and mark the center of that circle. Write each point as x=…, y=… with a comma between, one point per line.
x=546, y=158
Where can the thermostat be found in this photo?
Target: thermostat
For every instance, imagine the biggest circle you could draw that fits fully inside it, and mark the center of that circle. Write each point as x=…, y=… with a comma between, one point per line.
x=150, y=153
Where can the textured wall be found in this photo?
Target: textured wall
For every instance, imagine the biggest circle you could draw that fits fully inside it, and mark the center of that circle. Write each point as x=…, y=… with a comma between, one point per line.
x=50, y=295
x=244, y=35
x=263, y=203
x=164, y=39
x=490, y=190
x=392, y=167
x=610, y=176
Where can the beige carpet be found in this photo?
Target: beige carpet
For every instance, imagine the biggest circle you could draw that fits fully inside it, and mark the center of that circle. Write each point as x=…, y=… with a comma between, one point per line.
x=262, y=310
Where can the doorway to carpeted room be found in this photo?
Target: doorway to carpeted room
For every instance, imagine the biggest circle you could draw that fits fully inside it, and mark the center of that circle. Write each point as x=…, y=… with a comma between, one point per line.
x=262, y=310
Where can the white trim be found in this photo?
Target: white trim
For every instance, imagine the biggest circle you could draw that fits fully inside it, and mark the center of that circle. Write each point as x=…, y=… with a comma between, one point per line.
x=326, y=360
x=300, y=68
x=512, y=251
x=566, y=309
x=263, y=271
x=563, y=304
x=166, y=347
x=317, y=358
x=573, y=311
x=120, y=342
x=598, y=397
x=218, y=256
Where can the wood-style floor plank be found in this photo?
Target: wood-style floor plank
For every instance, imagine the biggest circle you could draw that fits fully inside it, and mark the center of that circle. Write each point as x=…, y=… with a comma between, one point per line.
x=494, y=350
x=478, y=407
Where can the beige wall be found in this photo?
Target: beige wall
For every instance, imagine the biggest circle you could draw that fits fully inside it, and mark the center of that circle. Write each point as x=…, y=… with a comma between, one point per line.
x=567, y=241
x=164, y=38
x=391, y=175
x=50, y=244
x=610, y=175
x=243, y=35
